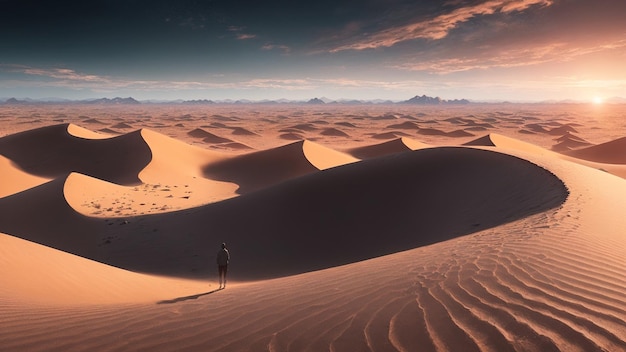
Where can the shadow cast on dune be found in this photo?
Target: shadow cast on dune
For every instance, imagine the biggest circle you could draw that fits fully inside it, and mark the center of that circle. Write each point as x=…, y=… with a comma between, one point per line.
x=348, y=214
x=187, y=298
x=320, y=220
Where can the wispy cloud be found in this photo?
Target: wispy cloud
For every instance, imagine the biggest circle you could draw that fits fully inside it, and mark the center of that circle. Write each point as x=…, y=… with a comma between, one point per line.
x=284, y=48
x=508, y=58
x=440, y=26
x=244, y=36
x=56, y=73
x=70, y=79
x=240, y=33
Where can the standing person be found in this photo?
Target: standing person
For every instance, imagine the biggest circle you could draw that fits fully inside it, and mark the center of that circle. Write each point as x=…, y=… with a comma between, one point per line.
x=223, y=258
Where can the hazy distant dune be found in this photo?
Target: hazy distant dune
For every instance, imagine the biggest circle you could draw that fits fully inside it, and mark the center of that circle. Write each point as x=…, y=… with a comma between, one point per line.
x=612, y=152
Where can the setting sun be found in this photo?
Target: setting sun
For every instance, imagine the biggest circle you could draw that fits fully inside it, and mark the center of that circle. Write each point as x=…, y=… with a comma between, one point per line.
x=597, y=100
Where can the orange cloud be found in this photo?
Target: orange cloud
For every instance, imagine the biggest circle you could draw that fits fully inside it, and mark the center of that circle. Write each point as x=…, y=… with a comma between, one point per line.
x=507, y=58
x=440, y=26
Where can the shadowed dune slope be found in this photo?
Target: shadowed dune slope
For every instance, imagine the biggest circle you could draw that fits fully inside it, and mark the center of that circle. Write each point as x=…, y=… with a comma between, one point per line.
x=378, y=207
x=391, y=147
x=261, y=169
x=57, y=224
x=613, y=152
x=329, y=218
x=54, y=152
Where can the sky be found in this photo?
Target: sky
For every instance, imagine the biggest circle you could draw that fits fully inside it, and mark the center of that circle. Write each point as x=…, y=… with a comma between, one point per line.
x=482, y=50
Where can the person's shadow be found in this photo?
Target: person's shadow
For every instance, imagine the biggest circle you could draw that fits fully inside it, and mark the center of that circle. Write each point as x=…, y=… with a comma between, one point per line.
x=187, y=298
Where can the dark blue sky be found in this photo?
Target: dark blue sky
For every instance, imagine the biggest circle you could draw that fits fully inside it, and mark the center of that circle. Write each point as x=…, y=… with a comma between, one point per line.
x=392, y=49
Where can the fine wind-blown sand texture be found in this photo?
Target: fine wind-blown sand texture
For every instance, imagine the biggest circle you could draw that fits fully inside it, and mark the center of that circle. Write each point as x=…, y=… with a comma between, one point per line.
x=490, y=242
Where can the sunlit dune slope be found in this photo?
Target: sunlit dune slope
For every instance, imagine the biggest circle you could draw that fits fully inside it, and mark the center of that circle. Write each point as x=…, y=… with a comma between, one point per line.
x=613, y=152
x=511, y=144
x=53, y=152
x=36, y=274
x=391, y=147
x=94, y=197
x=176, y=165
x=261, y=169
x=508, y=143
x=172, y=158
x=14, y=180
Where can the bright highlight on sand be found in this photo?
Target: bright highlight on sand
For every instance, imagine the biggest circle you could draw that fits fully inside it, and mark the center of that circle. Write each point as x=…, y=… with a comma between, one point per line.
x=350, y=228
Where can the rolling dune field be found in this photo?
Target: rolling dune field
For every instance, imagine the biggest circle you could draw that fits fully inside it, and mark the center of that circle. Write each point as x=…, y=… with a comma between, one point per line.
x=351, y=228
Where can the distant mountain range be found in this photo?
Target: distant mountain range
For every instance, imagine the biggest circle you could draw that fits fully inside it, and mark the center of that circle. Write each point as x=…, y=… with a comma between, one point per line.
x=425, y=100
x=416, y=100
x=103, y=101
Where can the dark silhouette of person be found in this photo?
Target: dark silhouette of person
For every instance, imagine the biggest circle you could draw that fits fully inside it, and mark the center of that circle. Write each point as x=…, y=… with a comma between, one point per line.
x=223, y=258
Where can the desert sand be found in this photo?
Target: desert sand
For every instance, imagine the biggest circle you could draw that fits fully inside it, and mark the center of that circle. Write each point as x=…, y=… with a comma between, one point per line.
x=351, y=228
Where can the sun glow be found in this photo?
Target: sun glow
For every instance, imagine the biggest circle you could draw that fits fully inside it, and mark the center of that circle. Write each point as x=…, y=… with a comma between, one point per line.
x=597, y=100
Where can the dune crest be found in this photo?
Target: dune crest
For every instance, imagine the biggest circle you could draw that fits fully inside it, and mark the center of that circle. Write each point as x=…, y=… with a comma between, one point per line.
x=511, y=144
x=612, y=152
x=53, y=152
x=262, y=169
x=80, y=132
x=390, y=147
x=503, y=142
x=172, y=158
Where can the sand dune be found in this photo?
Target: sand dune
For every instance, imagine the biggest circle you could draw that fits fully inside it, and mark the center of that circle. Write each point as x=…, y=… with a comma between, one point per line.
x=612, y=152
x=334, y=132
x=498, y=245
x=390, y=135
x=265, y=168
x=14, y=180
x=240, y=131
x=319, y=208
x=53, y=152
x=291, y=136
x=391, y=147
x=407, y=125
x=235, y=146
x=511, y=144
x=36, y=274
x=437, y=132
x=122, y=125
x=208, y=137
x=568, y=142
x=304, y=127
x=57, y=226
x=508, y=143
